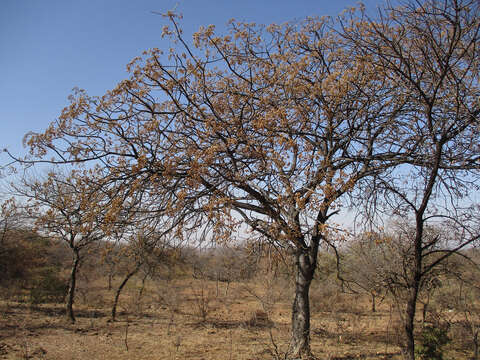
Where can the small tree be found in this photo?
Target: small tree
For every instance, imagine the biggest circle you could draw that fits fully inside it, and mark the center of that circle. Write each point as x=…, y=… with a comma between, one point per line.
x=461, y=295
x=26, y=263
x=364, y=266
x=67, y=207
x=8, y=222
x=145, y=248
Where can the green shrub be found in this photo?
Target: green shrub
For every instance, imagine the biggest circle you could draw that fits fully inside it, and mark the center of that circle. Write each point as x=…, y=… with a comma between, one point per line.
x=432, y=341
x=48, y=287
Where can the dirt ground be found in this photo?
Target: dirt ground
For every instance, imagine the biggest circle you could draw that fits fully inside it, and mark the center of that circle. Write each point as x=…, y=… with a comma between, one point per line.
x=194, y=320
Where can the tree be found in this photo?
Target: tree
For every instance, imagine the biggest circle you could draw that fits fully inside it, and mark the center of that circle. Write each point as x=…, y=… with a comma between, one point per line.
x=25, y=259
x=465, y=293
x=268, y=127
x=366, y=266
x=9, y=217
x=145, y=248
x=430, y=51
x=68, y=208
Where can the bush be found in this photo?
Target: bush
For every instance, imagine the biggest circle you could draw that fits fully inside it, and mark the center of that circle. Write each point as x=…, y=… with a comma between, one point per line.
x=48, y=287
x=432, y=341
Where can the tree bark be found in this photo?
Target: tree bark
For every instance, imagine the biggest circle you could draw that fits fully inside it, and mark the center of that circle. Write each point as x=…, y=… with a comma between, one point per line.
x=304, y=268
x=71, y=289
x=373, y=302
x=409, y=345
x=119, y=290
x=414, y=288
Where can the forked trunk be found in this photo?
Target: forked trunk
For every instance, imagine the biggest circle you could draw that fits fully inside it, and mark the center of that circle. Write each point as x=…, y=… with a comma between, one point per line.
x=72, y=285
x=304, y=269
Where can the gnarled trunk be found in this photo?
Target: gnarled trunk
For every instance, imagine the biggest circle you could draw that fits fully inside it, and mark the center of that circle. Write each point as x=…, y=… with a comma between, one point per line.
x=304, y=268
x=72, y=285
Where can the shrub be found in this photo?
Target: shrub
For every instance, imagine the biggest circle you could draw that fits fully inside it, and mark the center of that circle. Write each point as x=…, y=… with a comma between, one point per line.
x=432, y=341
x=48, y=287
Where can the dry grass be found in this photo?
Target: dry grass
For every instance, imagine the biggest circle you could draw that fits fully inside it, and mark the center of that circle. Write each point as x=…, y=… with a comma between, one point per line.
x=193, y=319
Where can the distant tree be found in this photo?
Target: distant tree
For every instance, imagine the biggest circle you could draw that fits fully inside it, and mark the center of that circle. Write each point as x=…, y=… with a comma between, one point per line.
x=14, y=250
x=465, y=300
x=27, y=261
x=68, y=208
x=8, y=221
x=365, y=265
x=5, y=217
x=378, y=263
x=143, y=248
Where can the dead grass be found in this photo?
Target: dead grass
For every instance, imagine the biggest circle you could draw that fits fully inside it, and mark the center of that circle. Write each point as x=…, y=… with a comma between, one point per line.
x=166, y=323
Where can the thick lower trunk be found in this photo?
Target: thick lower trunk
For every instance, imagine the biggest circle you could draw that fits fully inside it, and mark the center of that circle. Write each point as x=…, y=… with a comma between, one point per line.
x=412, y=296
x=409, y=344
x=72, y=285
x=304, y=268
x=119, y=291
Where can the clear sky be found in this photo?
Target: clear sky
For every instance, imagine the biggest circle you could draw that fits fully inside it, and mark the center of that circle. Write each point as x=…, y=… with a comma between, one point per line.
x=48, y=47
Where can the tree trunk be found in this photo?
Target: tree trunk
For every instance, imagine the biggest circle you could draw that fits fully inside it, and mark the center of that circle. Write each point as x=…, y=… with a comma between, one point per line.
x=413, y=290
x=304, y=268
x=71, y=288
x=409, y=344
x=119, y=290
x=373, y=302
x=110, y=278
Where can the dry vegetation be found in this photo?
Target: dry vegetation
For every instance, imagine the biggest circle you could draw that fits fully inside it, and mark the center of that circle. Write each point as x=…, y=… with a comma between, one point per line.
x=178, y=313
x=270, y=134
x=235, y=327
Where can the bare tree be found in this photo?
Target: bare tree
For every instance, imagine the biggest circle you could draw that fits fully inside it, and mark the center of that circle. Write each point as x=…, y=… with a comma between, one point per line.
x=147, y=248
x=365, y=266
x=430, y=50
x=467, y=291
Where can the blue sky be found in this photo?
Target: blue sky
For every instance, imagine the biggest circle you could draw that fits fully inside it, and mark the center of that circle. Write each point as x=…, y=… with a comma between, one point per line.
x=49, y=47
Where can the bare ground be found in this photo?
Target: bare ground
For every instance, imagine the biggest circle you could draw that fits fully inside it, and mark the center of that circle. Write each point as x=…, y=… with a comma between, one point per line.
x=200, y=321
